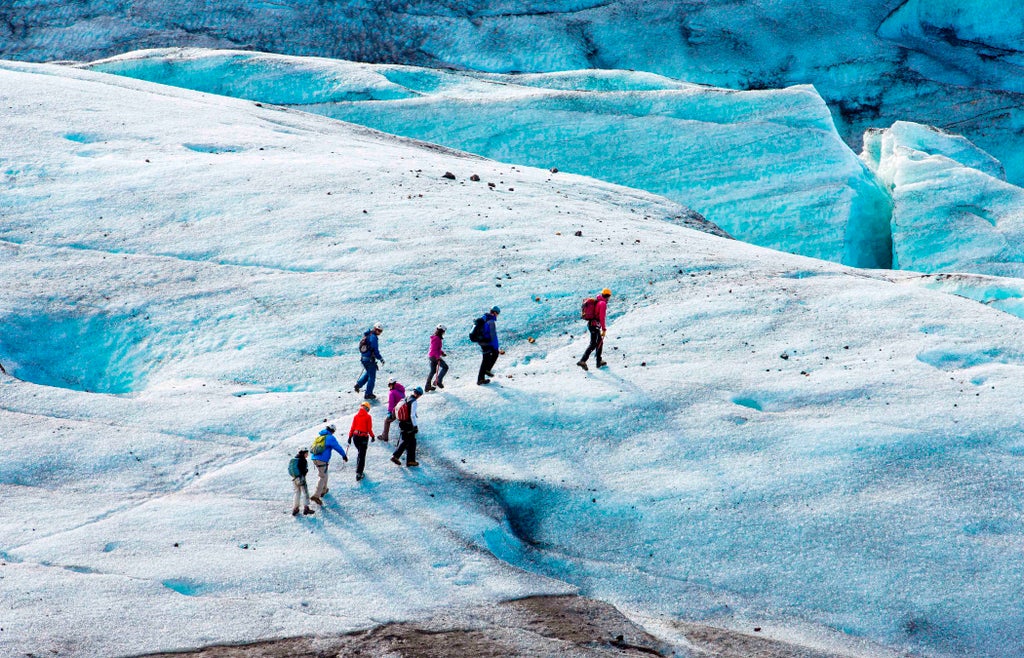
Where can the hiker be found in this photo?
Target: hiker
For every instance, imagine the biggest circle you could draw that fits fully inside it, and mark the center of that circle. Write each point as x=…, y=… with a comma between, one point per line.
x=438, y=365
x=297, y=468
x=369, y=355
x=594, y=312
x=408, y=427
x=487, y=337
x=321, y=451
x=396, y=395
x=361, y=431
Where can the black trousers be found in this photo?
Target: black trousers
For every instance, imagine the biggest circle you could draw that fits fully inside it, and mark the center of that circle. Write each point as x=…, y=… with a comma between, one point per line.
x=596, y=343
x=489, y=358
x=360, y=442
x=407, y=443
x=439, y=367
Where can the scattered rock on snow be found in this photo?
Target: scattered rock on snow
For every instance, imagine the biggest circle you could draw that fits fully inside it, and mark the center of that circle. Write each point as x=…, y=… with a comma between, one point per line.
x=449, y=175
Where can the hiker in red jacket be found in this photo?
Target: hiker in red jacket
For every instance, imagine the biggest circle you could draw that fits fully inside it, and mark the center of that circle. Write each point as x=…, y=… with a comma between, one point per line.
x=597, y=326
x=361, y=434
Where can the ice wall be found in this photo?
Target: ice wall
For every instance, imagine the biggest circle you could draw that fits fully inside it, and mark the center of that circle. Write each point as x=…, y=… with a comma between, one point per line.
x=953, y=211
x=766, y=166
x=940, y=63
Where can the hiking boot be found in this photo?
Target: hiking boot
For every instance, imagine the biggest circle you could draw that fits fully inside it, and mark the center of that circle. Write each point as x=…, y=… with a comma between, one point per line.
x=356, y=388
x=317, y=500
x=430, y=388
x=601, y=364
x=583, y=364
x=295, y=511
x=369, y=396
x=396, y=461
x=481, y=382
x=412, y=463
x=359, y=476
x=489, y=373
x=306, y=510
x=439, y=384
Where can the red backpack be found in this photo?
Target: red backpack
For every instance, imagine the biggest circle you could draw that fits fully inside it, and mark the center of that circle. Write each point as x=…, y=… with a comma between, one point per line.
x=589, y=310
x=403, y=411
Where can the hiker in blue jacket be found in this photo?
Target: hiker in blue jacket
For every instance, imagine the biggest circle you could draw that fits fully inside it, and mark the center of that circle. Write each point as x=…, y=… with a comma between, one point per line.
x=322, y=460
x=369, y=355
x=489, y=345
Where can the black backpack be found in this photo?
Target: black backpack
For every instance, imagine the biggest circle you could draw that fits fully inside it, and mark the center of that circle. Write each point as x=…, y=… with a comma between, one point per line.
x=477, y=335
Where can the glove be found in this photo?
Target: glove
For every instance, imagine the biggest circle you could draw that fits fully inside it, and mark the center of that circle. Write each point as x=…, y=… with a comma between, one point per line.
x=350, y=440
x=372, y=439
x=602, y=333
x=382, y=361
x=345, y=458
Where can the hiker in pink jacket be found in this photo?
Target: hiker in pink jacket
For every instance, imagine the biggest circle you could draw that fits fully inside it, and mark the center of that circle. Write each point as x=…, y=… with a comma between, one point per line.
x=595, y=311
x=437, y=364
x=396, y=395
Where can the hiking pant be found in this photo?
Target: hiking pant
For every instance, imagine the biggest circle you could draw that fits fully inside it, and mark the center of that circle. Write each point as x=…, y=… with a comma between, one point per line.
x=301, y=491
x=369, y=376
x=490, y=356
x=439, y=367
x=321, y=483
x=596, y=343
x=390, y=418
x=407, y=444
x=360, y=442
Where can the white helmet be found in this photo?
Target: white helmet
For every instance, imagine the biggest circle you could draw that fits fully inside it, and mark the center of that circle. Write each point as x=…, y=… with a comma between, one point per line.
x=441, y=327
x=378, y=327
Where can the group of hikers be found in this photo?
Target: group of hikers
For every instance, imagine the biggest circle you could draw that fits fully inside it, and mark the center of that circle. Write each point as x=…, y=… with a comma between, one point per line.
x=403, y=408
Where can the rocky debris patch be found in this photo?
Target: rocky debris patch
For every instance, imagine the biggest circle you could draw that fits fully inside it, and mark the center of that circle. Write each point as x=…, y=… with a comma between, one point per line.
x=535, y=626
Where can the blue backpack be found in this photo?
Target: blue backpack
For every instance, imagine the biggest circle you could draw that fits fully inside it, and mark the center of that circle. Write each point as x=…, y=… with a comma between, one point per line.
x=293, y=468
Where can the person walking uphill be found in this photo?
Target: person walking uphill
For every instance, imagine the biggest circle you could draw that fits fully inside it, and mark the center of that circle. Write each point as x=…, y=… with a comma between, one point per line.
x=297, y=468
x=396, y=395
x=369, y=355
x=438, y=365
x=486, y=334
x=408, y=425
x=321, y=451
x=361, y=433
x=594, y=312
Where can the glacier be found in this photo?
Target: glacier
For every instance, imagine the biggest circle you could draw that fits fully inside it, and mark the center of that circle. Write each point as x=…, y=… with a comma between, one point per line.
x=953, y=210
x=953, y=65
x=766, y=166
x=827, y=454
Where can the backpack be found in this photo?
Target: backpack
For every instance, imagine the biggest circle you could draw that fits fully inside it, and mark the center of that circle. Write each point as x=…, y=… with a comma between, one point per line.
x=589, y=310
x=403, y=411
x=364, y=345
x=293, y=468
x=319, y=445
x=477, y=335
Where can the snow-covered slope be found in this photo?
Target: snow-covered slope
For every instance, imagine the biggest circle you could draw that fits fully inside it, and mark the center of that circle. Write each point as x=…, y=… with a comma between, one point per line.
x=766, y=166
x=950, y=64
x=778, y=441
x=953, y=211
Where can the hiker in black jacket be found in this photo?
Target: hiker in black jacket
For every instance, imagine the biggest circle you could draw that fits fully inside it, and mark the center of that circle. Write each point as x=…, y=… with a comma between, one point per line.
x=297, y=468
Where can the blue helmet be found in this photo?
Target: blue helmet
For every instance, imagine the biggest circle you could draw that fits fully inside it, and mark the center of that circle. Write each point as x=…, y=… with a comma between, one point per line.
x=417, y=391
x=495, y=310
